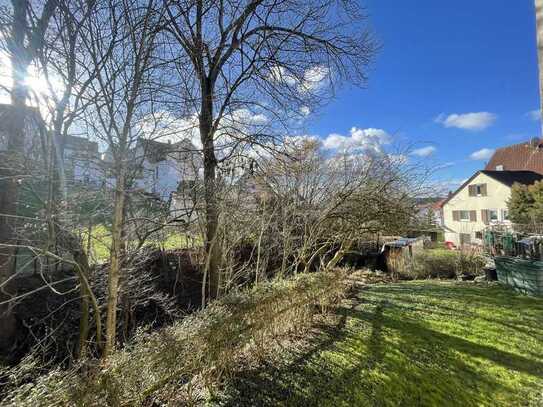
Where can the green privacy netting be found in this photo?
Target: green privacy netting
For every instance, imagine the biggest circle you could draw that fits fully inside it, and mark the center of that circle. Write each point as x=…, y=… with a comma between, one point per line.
x=523, y=275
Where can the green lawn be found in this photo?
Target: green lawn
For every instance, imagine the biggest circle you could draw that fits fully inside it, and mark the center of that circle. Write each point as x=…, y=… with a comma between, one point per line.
x=414, y=344
x=101, y=242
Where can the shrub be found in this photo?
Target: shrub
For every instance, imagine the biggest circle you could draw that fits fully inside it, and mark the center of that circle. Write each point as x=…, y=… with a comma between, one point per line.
x=437, y=264
x=180, y=363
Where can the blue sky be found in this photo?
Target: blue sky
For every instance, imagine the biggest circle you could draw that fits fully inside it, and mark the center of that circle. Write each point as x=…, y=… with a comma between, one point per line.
x=438, y=59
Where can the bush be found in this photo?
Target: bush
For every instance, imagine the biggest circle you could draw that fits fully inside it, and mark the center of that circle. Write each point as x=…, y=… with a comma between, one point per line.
x=180, y=364
x=437, y=264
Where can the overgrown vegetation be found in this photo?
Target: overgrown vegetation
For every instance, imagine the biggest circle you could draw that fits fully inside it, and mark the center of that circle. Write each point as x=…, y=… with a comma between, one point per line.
x=412, y=344
x=184, y=363
x=435, y=263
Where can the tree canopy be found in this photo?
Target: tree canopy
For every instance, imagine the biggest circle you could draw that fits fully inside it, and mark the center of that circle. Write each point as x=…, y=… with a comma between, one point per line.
x=526, y=203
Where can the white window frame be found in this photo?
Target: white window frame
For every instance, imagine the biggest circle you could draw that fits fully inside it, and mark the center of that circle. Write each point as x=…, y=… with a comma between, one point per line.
x=504, y=215
x=464, y=219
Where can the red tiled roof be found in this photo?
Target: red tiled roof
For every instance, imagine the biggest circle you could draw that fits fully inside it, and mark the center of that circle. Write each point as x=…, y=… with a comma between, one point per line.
x=439, y=204
x=519, y=157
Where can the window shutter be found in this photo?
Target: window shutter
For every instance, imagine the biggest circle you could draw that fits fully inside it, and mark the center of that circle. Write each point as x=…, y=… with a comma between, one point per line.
x=473, y=216
x=472, y=190
x=456, y=216
x=484, y=216
x=483, y=189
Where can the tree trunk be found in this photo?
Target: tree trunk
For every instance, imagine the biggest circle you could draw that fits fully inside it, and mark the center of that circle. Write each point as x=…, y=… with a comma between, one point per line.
x=213, y=251
x=16, y=131
x=116, y=259
x=10, y=166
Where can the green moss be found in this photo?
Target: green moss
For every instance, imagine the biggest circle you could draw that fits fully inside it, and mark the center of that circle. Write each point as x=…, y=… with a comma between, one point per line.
x=417, y=344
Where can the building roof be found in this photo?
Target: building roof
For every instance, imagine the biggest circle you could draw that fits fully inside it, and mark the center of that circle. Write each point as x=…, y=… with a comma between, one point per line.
x=156, y=151
x=80, y=144
x=526, y=156
x=510, y=177
x=505, y=177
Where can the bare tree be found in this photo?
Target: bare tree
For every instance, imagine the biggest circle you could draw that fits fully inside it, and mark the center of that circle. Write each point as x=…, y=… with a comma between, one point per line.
x=119, y=39
x=268, y=58
x=24, y=42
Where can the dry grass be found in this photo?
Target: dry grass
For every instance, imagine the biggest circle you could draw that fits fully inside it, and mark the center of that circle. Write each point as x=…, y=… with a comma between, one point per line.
x=185, y=363
x=436, y=263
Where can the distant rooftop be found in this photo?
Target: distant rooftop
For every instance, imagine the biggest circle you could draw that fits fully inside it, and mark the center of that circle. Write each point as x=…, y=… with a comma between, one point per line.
x=526, y=156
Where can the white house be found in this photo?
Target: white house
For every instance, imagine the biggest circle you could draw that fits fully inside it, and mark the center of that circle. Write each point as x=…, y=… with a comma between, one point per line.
x=81, y=160
x=479, y=202
x=164, y=166
x=80, y=155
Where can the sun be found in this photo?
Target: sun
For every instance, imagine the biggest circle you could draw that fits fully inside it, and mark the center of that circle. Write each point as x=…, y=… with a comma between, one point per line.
x=40, y=92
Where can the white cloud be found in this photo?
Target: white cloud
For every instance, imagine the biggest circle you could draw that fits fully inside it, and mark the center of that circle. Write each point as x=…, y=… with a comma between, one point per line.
x=467, y=121
x=535, y=115
x=424, y=151
x=279, y=74
x=305, y=111
x=359, y=139
x=444, y=166
x=310, y=80
x=314, y=78
x=298, y=141
x=247, y=118
x=482, y=154
x=165, y=127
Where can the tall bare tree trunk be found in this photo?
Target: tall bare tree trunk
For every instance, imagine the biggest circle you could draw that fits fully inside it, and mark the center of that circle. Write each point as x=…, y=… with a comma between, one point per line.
x=116, y=259
x=211, y=210
x=16, y=125
x=10, y=166
x=539, y=28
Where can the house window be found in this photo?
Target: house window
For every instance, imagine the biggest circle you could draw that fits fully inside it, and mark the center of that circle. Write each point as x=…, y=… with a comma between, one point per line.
x=493, y=215
x=477, y=190
x=505, y=214
x=478, y=235
x=464, y=216
x=499, y=167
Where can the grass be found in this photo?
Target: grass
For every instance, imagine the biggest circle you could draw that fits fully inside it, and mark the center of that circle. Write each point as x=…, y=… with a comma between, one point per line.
x=413, y=344
x=182, y=364
x=101, y=242
x=435, y=263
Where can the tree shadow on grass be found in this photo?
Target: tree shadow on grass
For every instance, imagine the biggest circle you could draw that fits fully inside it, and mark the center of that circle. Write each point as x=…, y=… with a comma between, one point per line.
x=380, y=358
x=287, y=383
x=515, y=312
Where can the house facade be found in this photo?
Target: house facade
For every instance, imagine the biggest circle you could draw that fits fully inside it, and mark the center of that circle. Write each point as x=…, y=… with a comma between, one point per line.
x=481, y=201
x=162, y=168
x=80, y=155
x=81, y=160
